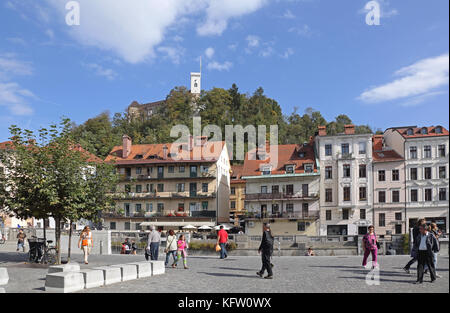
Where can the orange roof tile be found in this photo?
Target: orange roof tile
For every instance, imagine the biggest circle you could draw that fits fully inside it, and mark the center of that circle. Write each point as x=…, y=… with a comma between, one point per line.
x=417, y=131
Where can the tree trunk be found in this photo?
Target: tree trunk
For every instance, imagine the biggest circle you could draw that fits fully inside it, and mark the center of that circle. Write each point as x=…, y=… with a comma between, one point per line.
x=70, y=241
x=45, y=234
x=58, y=239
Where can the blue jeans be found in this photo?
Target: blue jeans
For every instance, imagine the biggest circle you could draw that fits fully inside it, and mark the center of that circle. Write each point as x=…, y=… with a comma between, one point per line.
x=223, y=250
x=435, y=254
x=154, y=249
x=174, y=255
x=21, y=245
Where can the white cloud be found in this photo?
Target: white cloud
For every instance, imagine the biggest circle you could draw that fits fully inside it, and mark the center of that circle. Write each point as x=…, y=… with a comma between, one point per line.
x=9, y=65
x=17, y=40
x=287, y=53
x=99, y=70
x=288, y=14
x=209, y=52
x=178, y=38
x=233, y=46
x=220, y=66
x=174, y=54
x=15, y=98
x=267, y=52
x=252, y=41
x=50, y=33
x=419, y=79
x=304, y=31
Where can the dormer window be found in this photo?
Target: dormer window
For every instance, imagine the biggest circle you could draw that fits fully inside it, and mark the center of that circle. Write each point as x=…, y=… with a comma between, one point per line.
x=301, y=154
x=309, y=168
x=266, y=170
x=138, y=156
x=290, y=169
x=438, y=130
x=424, y=131
x=410, y=132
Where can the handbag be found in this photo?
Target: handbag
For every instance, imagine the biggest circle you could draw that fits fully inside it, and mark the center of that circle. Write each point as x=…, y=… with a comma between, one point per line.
x=218, y=248
x=378, y=245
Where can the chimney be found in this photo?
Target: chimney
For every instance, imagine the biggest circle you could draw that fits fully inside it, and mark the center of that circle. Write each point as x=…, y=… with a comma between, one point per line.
x=349, y=129
x=126, y=146
x=377, y=142
x=322, y=130
x=165, y=152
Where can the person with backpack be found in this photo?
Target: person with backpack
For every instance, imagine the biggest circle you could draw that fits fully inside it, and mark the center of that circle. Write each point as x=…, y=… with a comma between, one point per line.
x=182, y=246
x=370, y=246
x=171, y=247
x=266, y=250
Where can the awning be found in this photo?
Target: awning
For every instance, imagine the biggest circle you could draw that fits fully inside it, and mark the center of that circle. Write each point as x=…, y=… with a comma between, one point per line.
x=177, y=224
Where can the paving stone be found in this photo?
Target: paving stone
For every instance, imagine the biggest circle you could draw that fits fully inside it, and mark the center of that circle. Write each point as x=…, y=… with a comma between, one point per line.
x=64, y=282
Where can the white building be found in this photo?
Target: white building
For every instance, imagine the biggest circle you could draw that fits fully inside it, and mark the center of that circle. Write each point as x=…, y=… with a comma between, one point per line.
x=345, y=182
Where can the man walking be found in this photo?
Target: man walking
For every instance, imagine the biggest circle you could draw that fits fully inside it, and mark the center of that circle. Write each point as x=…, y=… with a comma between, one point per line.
x=21, y=240
x=153, y=243
x=425, y=245
x=415, y=234
x=222, y=240
x=266, y=250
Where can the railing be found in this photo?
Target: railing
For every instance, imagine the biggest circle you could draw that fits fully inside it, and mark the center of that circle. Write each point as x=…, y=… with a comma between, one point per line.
x=345, y=156
x=280, y=196
x=168, y=194
x=297, y=215
x=165, y=214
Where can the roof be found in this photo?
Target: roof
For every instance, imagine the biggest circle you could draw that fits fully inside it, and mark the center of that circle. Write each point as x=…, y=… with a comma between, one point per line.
x=417, y=131
x=147, y=105
x=287, y=155
x=380, y=153
x=90, y=157
x=6, y=144
x=154, y=154
x=236, y=174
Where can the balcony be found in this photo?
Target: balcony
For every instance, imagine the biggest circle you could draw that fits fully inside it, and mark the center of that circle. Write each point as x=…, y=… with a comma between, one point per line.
x=171, y=214
x=285, y=215
x=344, y=156
x=128, y=178
x=280, y=196
x=162, y=195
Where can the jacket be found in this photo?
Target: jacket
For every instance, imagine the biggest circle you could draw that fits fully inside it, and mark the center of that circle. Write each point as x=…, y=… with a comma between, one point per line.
x=266, y=245
x=171, y=243
x=431, y=241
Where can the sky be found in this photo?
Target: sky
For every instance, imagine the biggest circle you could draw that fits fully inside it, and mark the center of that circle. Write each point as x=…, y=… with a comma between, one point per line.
x=304, y=53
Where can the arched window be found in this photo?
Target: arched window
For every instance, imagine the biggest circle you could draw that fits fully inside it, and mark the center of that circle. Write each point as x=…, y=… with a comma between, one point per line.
x=410, y=132
x=424, y=131
x=438, y=130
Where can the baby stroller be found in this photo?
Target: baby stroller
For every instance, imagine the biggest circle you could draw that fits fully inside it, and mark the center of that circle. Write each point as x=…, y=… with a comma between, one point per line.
x=36, y=251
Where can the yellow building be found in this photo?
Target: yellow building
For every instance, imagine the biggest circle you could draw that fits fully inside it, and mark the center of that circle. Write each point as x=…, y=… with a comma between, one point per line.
x=237, y=195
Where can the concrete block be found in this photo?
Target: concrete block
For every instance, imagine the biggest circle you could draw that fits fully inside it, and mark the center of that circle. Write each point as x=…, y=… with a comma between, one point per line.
x=4, y=278
x=64, y=282
x=144, y=269
x=69, y=267
x=2, y=290
x=111, y=275
x=128, y=271
x=158, y=267
x=93, y=278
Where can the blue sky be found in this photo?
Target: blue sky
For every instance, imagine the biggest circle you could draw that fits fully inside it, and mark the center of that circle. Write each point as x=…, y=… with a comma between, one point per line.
x=304, y=53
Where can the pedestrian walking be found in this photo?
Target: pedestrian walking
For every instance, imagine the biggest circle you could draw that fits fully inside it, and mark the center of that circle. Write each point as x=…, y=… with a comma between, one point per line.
x=415, y=234
x=126, y=247
x=222, y=240
x=171, y=247
x=266, y=250
x=436, y=233
x=370, y=246
x=133, y=247
x=310, y=252
x=182, y=247
x=154, y=240
x=86, y=242
x=425, y=244
x=21, y=236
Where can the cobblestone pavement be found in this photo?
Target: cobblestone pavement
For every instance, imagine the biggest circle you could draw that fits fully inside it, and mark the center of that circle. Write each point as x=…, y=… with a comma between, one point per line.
x=238, y=274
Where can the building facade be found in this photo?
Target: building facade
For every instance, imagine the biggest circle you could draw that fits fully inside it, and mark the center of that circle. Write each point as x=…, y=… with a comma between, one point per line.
x=345, y=182
x=426, y=152
x=389, y=192
x=287, y=195
x=237, y=196
x=170, y=189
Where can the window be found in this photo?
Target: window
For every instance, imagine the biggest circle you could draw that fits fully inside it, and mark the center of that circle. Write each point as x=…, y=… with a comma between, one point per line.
x=160, y=207
x=309, y=168
x=328, y=150
x=428, y=194
x=301, y=226
x=362, y=193
x=410, y=132
x=138, y=188
x=441, y=151
x=127, y=209
x=266, y=170
x=204, y=187
x=193, y=171
x=345, y=149
x=305, y=209
x=395, y=196
x=382, y=196
x=263, y=189
x=127, y=226
x=381, y=175
x=181, y=169
x=275, y=189
x=328, y=172
x=346, y=193
x=289, y=169
x=305, y=190
x=442, y=194
x=138, y=207
x=233, y=204
x=160, y=187
x=362, y=214
x=345, y=214
x=328, y=195
x=381, y=219
x=442, y=172
x=328, y=215
x=414, y=195
x=180, y=187
x=290, y=208
x=160, y=171
x=233, y=190
x=180, y=207
x=427, y=172
x=362, y=148
x=204, y=168
x=424, y=131
x=438, y=130
x=427, y=152
x=149, y=207
x=346, y=170
x=290, y=189
x=171, y=169
x=413, y=152
x=395, y=175
x=413, y=173
x=398, y=216
x=112, y=225
x=362, y=171
x=127, y=188
x=139, y=170
x=398, y=229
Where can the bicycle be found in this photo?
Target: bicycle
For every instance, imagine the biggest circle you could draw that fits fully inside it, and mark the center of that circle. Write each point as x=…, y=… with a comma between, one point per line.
x=2, y=240
x=41, y=251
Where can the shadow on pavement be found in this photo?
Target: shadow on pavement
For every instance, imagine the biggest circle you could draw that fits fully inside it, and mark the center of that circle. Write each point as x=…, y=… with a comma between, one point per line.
x=236, y=269
x=231, y=275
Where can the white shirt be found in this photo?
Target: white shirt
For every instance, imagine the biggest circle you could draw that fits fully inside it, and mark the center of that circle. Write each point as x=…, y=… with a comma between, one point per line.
x=423, y=242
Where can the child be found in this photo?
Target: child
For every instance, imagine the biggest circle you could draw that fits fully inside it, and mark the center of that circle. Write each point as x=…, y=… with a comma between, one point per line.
x=181, y=251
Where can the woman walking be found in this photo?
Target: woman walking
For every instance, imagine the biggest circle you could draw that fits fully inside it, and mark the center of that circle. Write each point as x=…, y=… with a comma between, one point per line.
x=370, y=245
x=181, y=252
x=86, y=243
x=434, y=230
x=171, y=247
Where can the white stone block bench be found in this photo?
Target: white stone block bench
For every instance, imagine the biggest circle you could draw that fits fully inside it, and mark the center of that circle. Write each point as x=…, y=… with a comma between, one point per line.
x=128, y=271
x=69, y=267
x=4, y=278
x=144, y=269
x=64, y=282
x=93, y=278
x=111, y=275
x=158, y=267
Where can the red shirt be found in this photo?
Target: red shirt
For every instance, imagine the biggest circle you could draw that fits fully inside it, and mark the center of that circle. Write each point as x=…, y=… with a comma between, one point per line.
x=223, y=236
